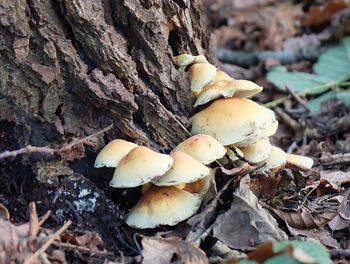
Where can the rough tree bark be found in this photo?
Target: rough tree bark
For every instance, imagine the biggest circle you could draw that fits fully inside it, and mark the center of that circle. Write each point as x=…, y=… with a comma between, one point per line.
x=69, y=68
x=72, y=67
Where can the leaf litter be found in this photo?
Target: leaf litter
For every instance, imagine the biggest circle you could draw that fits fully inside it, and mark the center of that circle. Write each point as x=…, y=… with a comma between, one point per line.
x=244, y=214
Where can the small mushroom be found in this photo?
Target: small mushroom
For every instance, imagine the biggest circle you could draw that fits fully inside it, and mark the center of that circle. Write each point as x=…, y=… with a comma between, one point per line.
x=222, y=76
x=300, y=162
x=163, y=206
x=140, y=166
x=185, y=169
x=227, y=88
x=203, y=148
x=113, y=152
x=232, y=155
x=275, y=161
x=257, y=151
x=201, y=75
x=235, y=121
x=201, y=186
x=185, y=60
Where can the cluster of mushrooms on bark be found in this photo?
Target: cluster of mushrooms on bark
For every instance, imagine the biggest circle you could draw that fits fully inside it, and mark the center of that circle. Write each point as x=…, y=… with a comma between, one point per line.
x=230, y=128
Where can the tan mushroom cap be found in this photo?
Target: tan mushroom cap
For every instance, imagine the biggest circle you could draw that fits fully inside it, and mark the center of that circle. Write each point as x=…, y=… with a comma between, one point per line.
x=215, y=90
x=246, y=89
x=201, y=186
x=201, y=75
x=148, y=185
x=140, y=166
x=163, y=206
x=184, y=60
x=235, y=121
x=113, y=152
x=257, y=151
x=222, y=76
x=276, y=159
x=300, y=161
x=185, y=169
x=203, y=148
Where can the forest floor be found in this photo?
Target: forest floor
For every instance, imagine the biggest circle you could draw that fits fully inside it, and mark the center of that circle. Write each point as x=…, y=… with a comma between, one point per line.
x=250, y=40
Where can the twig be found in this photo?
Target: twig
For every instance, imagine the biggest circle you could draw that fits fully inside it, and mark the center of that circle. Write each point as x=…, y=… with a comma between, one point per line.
x=97, y=253
x=48, y=243
x=288, y=119
x=335, y=159
x=33, y=149
x=297, y=97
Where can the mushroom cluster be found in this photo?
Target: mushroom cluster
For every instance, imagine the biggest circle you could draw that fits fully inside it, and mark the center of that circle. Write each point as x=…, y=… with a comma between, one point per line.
x=229, y=116
x=172, y=185
x=229, y=125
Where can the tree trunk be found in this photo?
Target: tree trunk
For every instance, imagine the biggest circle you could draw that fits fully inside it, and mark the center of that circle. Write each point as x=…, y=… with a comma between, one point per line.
x=69, y=68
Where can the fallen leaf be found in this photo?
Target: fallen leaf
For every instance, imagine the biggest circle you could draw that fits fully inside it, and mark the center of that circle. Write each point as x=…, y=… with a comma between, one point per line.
x=165, y=251
x=246, y=224
x=306, y=219
x=320, y=16
x=339, y=178
x=4, y=213
x=321, y=235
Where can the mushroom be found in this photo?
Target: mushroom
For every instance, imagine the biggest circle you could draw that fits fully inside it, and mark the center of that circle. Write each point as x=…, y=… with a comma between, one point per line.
x=231, y=153
x=235, y=121
x=299, y=162
x=227, y=88
x=201, y=75
x=257, y=151
x=275, y=161
x=140, y=166
x=163, y=206
x=113, y=152
x=185, y=60
x=222, y=76
x=203, y=148
x=201, y=186
x=185, y=169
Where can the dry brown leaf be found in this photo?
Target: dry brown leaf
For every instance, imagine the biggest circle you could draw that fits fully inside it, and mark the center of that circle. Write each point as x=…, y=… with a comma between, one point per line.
x=17, y=243
x=342, y=220
x=321, y=235
x=339, y=178
x=165, y=251
x=305, y=219
x=250, y=227
x=326, y=187
x=320, y=16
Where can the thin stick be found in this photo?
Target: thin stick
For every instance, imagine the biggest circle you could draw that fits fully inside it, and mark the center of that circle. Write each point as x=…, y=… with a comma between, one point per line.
x=297, y=97
x=48, y=150
x=48, y=243
x=97, y=253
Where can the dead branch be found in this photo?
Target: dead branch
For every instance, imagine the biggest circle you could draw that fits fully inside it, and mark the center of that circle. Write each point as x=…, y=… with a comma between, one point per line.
x=48, y=243
x=67, y=146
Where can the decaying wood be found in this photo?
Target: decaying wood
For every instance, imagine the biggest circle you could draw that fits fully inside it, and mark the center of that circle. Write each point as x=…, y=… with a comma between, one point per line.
x=70, y=68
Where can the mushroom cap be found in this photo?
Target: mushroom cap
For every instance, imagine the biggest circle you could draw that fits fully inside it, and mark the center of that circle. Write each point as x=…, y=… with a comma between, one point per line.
x=232, y=156
x=235, y=121
x=276, y=159
x=185, y=169
x=140, y=166
x=184, y=60
x=300, y=161
x=221, y=76
x=257, y=151
x=203, y=148
x=224, y=88
x=201, y=75
x=113, y=152
x=163, y=206
x=246, y=89
x=201, y=186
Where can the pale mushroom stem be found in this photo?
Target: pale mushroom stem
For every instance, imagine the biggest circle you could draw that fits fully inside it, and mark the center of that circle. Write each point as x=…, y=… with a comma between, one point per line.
x=240, y=157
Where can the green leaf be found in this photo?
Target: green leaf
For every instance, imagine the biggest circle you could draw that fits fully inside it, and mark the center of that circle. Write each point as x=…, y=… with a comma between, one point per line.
x=296, y=81
x=285, y=259
x=332, y=67
x=315, y=104
x=314, y=250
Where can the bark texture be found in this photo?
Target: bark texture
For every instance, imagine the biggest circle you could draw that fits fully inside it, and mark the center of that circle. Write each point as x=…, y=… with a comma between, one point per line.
x=68, y=68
